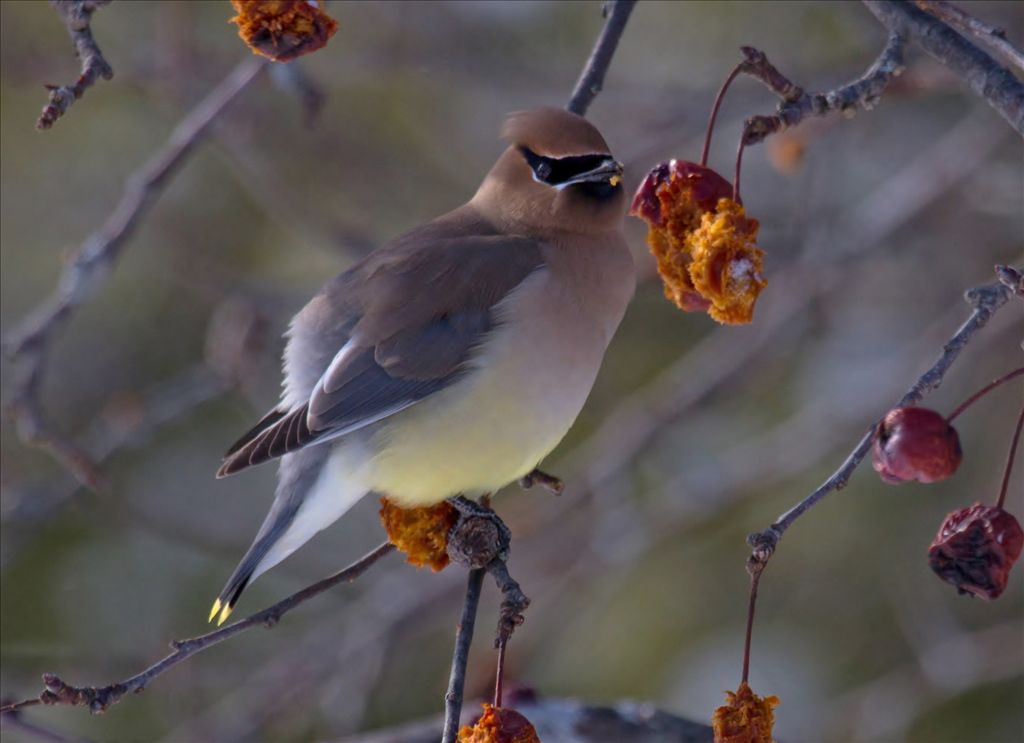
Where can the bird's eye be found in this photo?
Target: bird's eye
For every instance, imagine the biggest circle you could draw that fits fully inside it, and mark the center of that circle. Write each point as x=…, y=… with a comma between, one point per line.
x=557, y=171
x=541, y=166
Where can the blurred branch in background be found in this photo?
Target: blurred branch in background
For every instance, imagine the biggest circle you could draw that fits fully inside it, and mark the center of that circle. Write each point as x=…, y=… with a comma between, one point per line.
x=235, y=336
x=77, y=16
x=99, y=699
x=86, y=271
x=986, y=77
x=985, y=302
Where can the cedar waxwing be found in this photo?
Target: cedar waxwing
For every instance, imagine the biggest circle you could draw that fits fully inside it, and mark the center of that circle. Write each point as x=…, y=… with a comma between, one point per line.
x=452, y=360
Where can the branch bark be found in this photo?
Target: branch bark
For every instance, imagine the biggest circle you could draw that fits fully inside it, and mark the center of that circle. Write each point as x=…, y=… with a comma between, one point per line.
x=99, y=699
x=77, y=16
x=986, y=77
x=460, y=656
x=797, y=104
x=985, y=301
x=964, y=22
x=616, y=13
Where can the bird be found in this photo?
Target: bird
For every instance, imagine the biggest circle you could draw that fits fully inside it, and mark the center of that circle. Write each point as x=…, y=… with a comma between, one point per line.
x=452, y=360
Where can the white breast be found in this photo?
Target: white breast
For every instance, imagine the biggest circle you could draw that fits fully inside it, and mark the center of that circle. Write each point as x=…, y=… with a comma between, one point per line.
x=528, y=384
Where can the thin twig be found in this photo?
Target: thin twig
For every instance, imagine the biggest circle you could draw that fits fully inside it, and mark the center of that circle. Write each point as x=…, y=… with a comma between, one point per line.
x=755, y=567
x=83, y=275
x=1010, y=457
x=100, y=699
x=964, y=22
x=460, y=656
x=986, y=77
x=797, y=104
x=499, y=673
x=77, y=16
x=714, y=112
x=591, y=80
x=984, y=391
x=985, y=301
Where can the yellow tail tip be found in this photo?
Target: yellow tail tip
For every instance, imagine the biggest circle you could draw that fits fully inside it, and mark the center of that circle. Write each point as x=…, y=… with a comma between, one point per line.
x=215, y=610
x=224, y=614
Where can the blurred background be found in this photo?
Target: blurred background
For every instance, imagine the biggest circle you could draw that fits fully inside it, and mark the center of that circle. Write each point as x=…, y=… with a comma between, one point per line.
x=695, y=434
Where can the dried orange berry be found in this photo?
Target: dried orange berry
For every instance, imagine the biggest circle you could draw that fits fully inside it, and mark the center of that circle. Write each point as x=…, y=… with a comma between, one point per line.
x=975, y=549
x=726, y=264
x=702, y=240
x=283, y=29
x=745, y=718
x=421, y=533
x=499, y=725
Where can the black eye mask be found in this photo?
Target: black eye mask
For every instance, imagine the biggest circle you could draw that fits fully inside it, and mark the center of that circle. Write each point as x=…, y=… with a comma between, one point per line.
x=556, y=171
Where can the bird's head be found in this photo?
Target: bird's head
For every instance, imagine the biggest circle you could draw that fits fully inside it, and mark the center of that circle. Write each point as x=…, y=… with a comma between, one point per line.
x=556, y=175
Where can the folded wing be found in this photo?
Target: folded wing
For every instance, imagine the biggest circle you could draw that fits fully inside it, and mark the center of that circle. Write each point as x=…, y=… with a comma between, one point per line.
x=411, y=316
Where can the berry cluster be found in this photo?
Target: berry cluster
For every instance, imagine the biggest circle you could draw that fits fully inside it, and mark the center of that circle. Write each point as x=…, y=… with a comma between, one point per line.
x=976, y=546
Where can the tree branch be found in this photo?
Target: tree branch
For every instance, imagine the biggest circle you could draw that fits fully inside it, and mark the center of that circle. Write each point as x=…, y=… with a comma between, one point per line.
x=460, y=656
x=616, y=13
x=964, y=22
x=985, y=301
x=986, y=77
x=797, y=104
x=100, y=699
x=29, y=344
x=77, y=15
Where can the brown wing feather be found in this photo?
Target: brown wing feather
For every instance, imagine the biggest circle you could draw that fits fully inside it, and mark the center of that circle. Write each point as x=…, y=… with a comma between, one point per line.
x=417, y=309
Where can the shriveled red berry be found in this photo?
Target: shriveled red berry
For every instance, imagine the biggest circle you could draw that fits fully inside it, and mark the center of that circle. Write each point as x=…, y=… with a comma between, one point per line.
x=916, y=444
x=975, y=549
x=703, y=186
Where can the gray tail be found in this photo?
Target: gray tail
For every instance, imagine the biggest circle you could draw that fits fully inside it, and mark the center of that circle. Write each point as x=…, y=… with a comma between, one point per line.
x=299, y=473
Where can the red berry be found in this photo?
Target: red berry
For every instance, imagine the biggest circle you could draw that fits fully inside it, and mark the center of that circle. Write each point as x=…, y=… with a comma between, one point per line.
x=704, y=187
x=916, y=444
x=975, y=549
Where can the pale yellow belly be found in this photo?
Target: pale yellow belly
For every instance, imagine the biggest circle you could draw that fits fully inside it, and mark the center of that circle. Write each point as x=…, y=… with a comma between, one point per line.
x=505, y=416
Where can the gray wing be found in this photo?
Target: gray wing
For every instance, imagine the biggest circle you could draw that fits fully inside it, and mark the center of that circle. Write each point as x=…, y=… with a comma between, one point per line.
x=395, y=329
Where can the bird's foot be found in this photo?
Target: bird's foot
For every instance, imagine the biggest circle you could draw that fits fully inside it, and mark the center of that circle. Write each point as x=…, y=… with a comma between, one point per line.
x=513, y=604
x=550, y=483
x=479, y=536
x=480, y=539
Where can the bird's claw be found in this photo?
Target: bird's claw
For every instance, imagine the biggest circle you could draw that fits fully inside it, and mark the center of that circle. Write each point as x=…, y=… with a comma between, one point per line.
x=513, y=604
x=550, y=483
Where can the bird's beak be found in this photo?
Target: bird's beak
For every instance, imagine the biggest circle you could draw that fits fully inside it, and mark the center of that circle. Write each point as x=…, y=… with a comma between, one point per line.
x=609, y=171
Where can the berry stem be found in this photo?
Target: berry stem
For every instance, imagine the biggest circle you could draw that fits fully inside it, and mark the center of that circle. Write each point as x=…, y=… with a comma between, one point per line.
x=736, y=178
x=982, y=392
x=755, y=567
x=1009, y=460
x=500, y=674
x=714, y=112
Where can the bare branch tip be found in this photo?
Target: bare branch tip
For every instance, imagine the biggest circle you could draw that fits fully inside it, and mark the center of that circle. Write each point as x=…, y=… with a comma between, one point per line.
x=76, y=15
